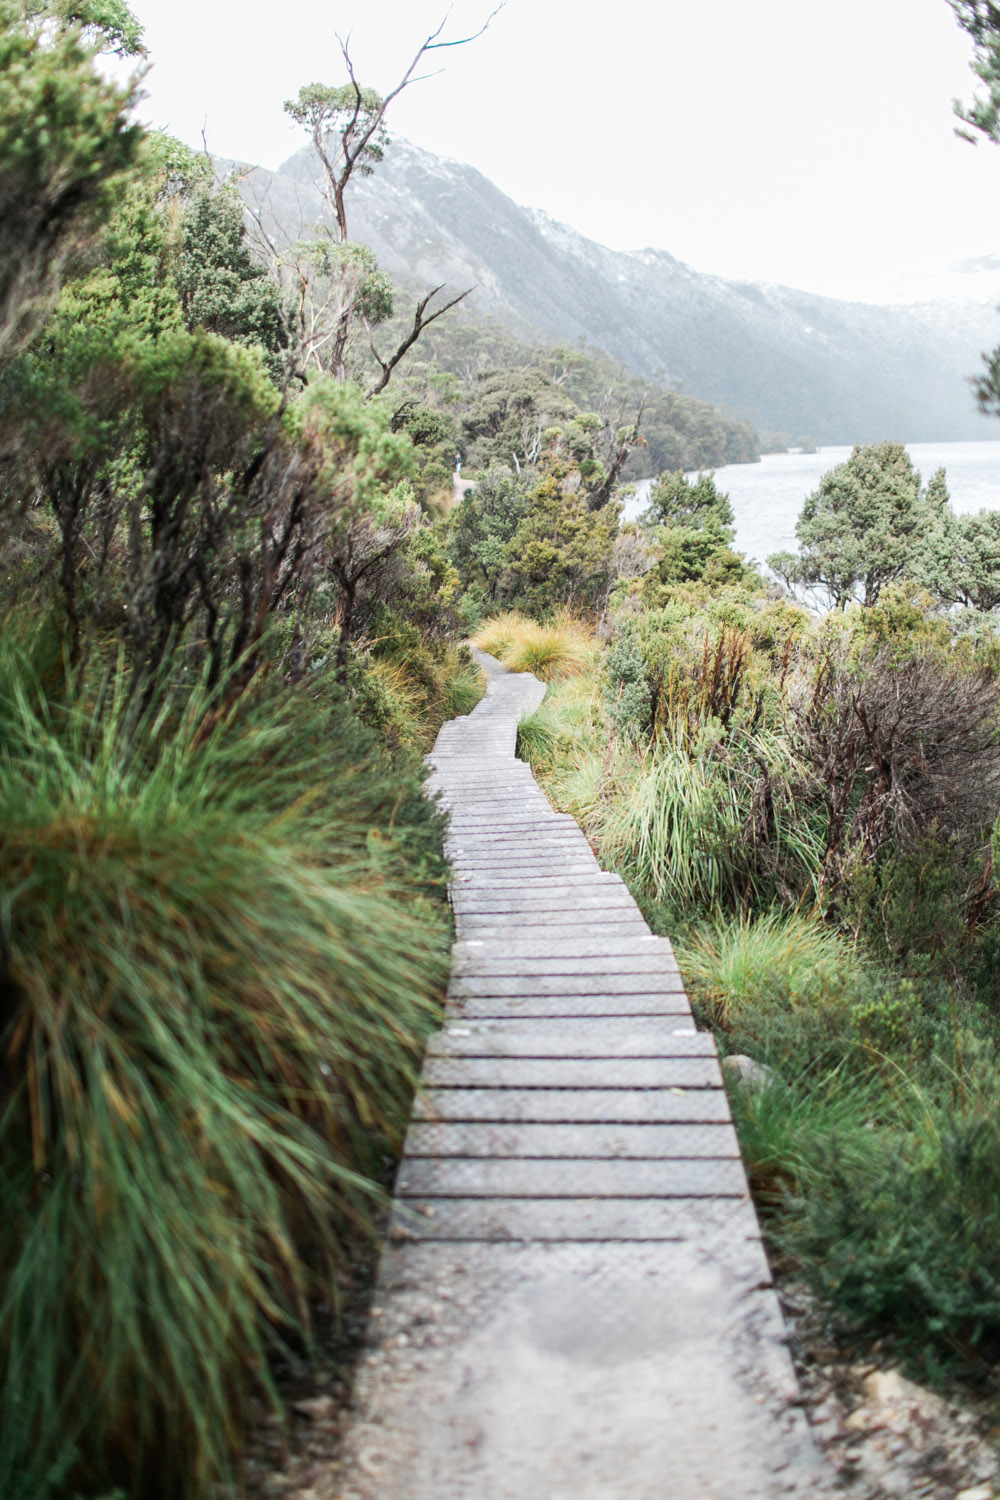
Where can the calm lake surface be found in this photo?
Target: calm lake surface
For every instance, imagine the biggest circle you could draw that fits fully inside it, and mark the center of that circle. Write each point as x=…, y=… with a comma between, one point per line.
x=768, y=496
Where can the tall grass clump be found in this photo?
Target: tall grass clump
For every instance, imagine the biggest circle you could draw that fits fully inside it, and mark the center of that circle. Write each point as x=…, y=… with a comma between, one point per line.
x=698, y=827
x=215, y=999
x=776, y=960
x=497, y=636
x=784, y=1123
x=562, y=648
x=407, y=683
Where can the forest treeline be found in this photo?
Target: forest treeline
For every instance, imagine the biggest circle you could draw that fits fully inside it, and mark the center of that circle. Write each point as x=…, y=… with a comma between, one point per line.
x=498, y=393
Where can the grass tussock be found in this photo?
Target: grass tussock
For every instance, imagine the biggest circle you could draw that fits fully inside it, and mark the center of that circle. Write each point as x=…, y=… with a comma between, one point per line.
x=777, y=959
x=218, y=971
x=405, y=690
x=563, y=648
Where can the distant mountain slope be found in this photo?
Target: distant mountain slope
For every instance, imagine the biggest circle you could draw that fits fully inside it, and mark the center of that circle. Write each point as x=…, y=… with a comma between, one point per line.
x=841, y=372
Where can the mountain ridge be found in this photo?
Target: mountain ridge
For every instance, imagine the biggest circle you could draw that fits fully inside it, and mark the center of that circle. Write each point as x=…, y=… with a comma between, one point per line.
x=788, y=360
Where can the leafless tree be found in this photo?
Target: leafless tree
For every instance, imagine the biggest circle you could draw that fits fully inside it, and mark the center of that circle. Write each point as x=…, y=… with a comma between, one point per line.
x=346, y=292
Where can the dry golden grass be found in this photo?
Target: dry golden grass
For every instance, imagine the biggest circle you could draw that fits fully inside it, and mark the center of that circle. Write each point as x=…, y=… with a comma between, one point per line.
x=563, y=648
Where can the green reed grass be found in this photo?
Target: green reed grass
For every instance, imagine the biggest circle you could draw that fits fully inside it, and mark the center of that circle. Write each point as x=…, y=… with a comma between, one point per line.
x=773, y=959
x=683, y=827
x=784, y=1122
x=215, y=998
x=897, y=1219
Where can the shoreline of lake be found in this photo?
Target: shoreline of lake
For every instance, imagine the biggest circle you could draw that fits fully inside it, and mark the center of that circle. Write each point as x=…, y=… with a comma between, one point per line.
x=768, y=496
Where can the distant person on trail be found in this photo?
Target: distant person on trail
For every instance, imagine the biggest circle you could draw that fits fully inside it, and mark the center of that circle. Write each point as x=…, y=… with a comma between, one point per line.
x=458, y=463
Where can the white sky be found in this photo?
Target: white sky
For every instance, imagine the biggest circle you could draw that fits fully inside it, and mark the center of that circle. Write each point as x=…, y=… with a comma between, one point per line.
x=808, y=142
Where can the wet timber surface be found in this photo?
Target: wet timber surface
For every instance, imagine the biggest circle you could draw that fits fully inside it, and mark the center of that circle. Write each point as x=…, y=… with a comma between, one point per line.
x=573, y=1302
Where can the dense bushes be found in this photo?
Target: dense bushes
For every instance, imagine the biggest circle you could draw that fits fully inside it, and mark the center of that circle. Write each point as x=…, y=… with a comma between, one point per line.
x=223, y=932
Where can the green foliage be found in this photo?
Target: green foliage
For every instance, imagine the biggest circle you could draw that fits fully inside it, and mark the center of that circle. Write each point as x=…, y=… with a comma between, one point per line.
x=908, y=906
x=66, y=147
x=686, y=827
x=343, y=111
x=220, y=964
x=561, y=551
x=484, y=526
x=959, y=559
x=900, y=1226
x=626, y=691
x=359, y=288
x=405, y=683
x=775, y=959
x=222, y=287
x=537, y=736
x=108, y=24
x=694, y=554
x=692, y=522
x=981, y=19
x=696, y=504
x=859, y=530
x=510, y=412
x=476, y=368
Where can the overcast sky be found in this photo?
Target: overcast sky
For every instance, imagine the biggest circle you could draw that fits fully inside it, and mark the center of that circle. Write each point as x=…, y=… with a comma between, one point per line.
x=808, y=142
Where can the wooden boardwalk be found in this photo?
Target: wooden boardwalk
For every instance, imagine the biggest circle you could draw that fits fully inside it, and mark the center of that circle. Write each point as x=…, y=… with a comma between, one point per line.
x=574, y=1303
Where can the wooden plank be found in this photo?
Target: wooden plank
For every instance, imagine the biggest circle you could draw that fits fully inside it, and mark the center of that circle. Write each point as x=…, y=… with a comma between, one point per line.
x=666, y=1106
x=528, y=968
x=673, y=1007
x=568, y=1072
x=604, y=946
x=615, y=1219
x=612, y=1142
x=655, y=981
x=428, y=1177
x=547, y=1036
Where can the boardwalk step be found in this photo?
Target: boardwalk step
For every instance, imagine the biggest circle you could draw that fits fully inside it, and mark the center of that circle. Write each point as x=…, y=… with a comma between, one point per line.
x=610, y=1142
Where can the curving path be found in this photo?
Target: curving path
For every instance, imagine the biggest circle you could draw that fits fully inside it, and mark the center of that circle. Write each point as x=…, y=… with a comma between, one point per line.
x=574, y=1303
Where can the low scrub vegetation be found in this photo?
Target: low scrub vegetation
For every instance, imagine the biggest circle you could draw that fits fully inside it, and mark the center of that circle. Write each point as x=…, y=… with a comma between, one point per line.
x=808, y=805
x=220, y=989
x=228, y=632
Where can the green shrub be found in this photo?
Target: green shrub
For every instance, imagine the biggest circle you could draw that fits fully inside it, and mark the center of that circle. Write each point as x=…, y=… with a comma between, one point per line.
x=538, y=737
x=784, y=1122
x=696, y=826
x=626, y=694
x=905, y=1236
x=215, y=1002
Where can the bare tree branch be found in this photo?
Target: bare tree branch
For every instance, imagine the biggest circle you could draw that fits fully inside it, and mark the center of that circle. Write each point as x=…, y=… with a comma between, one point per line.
x=419, y=324
x=353, y=150
x=626, y=441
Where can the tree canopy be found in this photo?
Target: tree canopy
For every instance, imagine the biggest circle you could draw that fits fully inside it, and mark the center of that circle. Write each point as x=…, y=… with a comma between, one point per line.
x=856, y=531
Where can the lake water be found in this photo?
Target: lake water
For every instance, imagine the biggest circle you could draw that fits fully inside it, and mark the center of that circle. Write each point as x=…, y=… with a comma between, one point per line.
x=768, y=496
